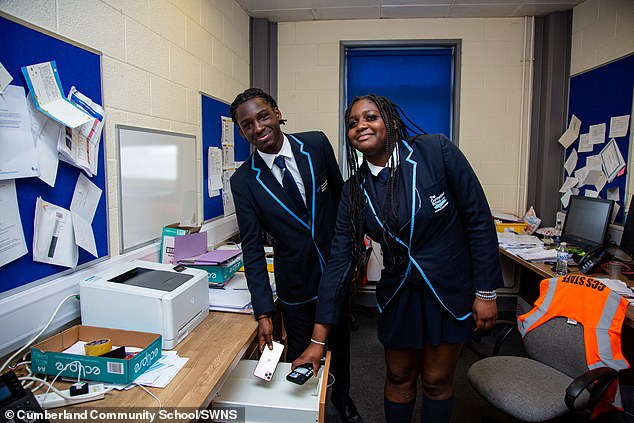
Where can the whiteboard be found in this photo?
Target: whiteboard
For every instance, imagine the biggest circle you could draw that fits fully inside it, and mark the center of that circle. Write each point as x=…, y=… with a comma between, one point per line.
x=157, y=183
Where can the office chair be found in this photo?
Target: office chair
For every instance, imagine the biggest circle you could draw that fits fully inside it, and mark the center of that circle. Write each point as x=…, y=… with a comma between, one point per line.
x=552, y=381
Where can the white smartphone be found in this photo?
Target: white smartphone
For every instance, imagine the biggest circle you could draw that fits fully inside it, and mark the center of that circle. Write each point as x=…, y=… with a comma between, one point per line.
x=268, y=361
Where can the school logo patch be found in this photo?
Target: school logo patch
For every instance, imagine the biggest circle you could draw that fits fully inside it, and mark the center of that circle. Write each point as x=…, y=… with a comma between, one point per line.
x=438, y=202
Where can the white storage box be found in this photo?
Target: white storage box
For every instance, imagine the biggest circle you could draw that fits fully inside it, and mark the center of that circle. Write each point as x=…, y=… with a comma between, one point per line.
x=276, y=401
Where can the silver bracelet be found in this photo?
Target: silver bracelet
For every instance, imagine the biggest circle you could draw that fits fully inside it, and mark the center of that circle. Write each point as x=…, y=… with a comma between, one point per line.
x=486, y=297
x=317, y=342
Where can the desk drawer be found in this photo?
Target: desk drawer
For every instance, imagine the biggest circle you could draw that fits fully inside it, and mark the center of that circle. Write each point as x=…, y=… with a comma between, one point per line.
x=277, y=401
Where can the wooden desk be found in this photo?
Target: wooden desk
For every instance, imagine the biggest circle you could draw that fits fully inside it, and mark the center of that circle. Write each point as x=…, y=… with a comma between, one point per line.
x=545, y=271
x=214, y=348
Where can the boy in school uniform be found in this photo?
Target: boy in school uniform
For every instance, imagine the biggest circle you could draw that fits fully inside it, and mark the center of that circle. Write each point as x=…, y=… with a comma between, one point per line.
x=289, y=188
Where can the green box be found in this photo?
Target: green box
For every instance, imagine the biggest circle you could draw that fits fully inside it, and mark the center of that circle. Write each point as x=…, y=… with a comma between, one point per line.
x=219, y=274
x=47, y=356
x=167, y=240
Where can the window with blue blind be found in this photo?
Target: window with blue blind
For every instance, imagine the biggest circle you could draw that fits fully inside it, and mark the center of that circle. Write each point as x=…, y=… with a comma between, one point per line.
x=419, y=79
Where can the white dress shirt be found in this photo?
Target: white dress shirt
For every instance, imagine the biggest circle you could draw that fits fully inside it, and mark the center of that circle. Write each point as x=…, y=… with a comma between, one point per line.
x=291, y=165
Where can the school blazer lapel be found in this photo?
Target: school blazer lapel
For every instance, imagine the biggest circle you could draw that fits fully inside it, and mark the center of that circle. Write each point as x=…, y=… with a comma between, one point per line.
x=303, y=158
x=408, y=169
x=272, y=188
x=408, y=177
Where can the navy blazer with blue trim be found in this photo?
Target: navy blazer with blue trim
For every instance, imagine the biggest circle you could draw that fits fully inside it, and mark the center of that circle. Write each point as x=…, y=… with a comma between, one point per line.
x=301, y=248
x=450, y=245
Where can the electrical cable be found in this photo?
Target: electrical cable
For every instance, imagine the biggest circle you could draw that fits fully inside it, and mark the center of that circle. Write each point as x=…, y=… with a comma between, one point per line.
x=54, y=389
x=39, y=334
x=59, y=373
x=151, y=394
x=328, y=385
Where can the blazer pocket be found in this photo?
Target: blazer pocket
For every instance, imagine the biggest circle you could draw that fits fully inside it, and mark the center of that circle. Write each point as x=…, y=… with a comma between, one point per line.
x=453, y=272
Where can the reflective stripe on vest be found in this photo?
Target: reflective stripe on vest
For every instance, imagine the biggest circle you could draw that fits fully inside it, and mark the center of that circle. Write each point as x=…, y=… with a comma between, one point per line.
x=589, y=302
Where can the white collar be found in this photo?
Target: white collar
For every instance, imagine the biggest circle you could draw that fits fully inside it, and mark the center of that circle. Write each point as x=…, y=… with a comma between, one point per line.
x=374, y=169
x=285, y=151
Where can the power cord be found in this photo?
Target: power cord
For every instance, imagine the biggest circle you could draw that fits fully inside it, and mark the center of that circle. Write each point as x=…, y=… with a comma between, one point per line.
x=54, y=389
x=28, y=344
x=151, y=394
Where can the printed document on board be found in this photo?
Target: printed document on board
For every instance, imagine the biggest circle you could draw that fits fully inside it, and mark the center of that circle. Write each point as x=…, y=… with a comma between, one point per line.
x=619, y=126
x=53, y=235
x=612, y=160
x=45, y=132
x=5, y=78
x=17, y=155
x=80, y=146
x=214, y=171
x=46, y=90
x=12, y=243
x=82, y=207
x=571, y=133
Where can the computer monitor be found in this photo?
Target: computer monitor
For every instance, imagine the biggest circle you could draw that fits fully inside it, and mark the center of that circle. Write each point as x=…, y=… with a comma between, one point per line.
x=627, y=239
x=587, y=222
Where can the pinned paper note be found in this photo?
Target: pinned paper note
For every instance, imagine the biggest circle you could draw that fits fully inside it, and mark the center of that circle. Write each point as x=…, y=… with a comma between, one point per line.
x=571, y=162
x=17, y=154
x=53, y=235
x=568, y=184
x=46, y=90
x=565, y=199
x=83, y=207
x=584, y=143
x=5, y=78
x=619, y=126
x=597, y=133
x=571, y=133
x=612, y=160
x=11, y=232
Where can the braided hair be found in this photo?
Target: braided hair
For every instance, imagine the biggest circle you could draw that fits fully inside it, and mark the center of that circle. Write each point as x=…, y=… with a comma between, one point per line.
x=250, y=94
x=396, y=129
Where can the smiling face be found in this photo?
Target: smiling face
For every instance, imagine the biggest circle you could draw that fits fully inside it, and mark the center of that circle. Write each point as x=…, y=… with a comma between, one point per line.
x=259, y=123
x=367, y=133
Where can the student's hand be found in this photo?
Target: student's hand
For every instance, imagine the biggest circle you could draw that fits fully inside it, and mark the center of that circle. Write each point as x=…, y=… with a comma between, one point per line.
x=315, y=350
x=313, y=355
x=265, y=333
x=485, y=313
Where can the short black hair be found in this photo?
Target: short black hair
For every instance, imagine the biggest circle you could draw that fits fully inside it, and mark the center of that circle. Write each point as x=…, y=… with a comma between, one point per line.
x=249, y=94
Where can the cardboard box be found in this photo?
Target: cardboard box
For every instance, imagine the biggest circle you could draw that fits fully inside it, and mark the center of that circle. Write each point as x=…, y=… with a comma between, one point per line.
x=518, y=227
x=220, y=273
x=47, y=356
x=167, y=240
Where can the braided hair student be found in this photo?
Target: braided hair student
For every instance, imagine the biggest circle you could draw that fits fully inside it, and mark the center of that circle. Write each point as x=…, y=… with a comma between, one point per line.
x=420, y=199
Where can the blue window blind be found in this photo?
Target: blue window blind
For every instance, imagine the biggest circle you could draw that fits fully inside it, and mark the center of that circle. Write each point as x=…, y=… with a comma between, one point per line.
x=419, y=79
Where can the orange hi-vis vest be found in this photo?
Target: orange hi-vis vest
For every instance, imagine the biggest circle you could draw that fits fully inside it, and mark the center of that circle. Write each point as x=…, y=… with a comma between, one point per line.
x=588, y=301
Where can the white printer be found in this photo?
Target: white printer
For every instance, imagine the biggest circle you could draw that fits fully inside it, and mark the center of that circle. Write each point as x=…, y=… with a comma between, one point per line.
x=147, y=297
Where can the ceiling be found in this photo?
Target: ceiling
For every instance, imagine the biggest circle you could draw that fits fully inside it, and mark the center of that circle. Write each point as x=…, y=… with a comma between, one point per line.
x=309, y=10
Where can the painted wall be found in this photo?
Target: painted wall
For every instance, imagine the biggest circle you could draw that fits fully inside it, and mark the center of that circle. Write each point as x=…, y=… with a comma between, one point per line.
x=494, y=77
x=157, y=56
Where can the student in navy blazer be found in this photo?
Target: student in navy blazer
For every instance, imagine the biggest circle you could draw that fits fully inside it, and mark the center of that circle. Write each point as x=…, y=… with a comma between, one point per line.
x=420, y=199
x=302, y=230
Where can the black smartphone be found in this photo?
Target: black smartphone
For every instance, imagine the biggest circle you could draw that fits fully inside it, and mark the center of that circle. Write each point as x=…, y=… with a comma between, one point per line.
x=301, y=374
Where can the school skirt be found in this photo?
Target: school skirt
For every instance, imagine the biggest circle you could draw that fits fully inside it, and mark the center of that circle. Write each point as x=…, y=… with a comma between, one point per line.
x=414, y=318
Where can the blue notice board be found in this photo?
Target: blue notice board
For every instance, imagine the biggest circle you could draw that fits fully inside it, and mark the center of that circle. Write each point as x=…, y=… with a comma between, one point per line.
x=595, y=97
x=212, y=112
x=21, y=46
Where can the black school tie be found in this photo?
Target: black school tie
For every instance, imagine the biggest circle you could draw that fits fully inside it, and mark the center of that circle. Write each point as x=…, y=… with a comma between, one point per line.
x=290, y=185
